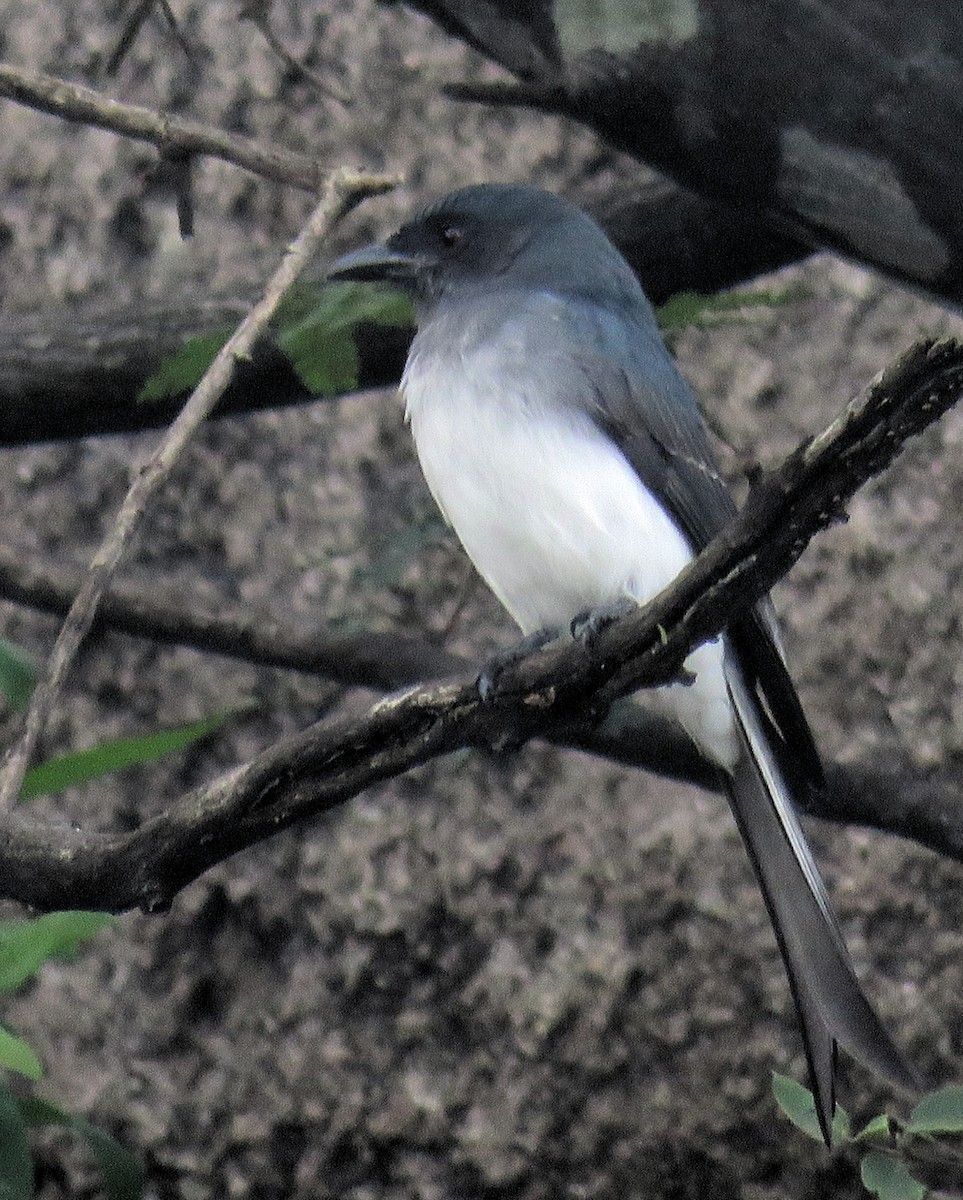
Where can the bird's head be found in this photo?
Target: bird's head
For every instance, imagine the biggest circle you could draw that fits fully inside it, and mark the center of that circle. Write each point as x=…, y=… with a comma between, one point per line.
x=490, y=236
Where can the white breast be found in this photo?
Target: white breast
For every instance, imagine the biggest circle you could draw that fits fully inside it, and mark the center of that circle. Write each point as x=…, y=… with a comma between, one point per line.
x=551, y=513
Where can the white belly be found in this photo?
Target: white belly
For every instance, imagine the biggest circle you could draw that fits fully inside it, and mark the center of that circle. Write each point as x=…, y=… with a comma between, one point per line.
x=556, y=520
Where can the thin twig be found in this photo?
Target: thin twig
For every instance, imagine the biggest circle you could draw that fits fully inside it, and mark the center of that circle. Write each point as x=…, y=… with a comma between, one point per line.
x=341, y=190
x=258, y=13
x=128, y=35
x=132, y=27
x=73, y=102
x=190, y=53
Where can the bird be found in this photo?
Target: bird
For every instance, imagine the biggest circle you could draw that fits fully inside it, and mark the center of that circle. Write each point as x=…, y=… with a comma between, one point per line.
x=563, y=446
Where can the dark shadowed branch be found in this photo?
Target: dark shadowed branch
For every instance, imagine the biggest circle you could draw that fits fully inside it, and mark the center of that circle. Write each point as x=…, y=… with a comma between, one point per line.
x=835, y=124
x=68, y=373
x=543, y=695
x=929, y=811
x=371, y=660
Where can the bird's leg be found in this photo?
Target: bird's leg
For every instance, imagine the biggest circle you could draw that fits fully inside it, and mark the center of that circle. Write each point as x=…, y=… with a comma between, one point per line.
x=589, y=623
x=501, y=660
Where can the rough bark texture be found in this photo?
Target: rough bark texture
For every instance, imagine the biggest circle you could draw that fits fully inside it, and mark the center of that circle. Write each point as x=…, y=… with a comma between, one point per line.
x=835, y=124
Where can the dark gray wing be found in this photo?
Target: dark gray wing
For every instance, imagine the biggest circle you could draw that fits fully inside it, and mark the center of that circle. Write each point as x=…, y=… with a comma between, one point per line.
x=636, y=394
x=646, y=407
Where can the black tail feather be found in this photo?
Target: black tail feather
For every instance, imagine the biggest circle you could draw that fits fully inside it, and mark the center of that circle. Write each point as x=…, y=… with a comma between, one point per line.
x=831, y=1004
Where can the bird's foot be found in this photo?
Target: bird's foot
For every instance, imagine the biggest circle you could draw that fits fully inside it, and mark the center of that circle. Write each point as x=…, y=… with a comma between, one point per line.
x=499, y=662
x=588, y=624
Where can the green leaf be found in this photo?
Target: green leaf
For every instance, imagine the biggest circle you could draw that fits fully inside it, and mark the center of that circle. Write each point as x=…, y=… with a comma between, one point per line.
x=57, y=774
x=691, y=308
x=879, y=1127
x=318, y=337
x=799, y=1106
x=16, y=1055
x=182, y=371
x=16, y=1167
x=26, y=945
x=121, y=1172
x=939, y=1112
x=18, y=675
x=889, y=1178
x=299, y=302
x=326, y=365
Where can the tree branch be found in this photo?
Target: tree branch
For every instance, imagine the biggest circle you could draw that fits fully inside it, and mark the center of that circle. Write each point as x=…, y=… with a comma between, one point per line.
x=340, y=191
x=845, y=137
x=368, y=659
x=544, y=694
x=928, y=811
x=171, y=135
x=67, y=373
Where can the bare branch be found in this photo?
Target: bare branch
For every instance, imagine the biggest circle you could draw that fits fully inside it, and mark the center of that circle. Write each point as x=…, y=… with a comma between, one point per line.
x=368, y=659
x=258, y=12
x=545, y=694
x=171, y=135
x=340, y=191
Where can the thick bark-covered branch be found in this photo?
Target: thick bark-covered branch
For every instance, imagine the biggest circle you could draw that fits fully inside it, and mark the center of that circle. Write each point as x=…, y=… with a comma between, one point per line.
x=544, y=694
x=67, y=373
x=929, y=811
x=834, y=124
x=520, y=35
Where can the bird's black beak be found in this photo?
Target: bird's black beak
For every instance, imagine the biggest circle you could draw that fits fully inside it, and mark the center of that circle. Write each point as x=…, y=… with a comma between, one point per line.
x=376, y=263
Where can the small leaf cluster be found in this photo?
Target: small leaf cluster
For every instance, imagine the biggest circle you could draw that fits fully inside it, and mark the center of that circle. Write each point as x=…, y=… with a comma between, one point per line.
x=891, y=1149
x=314, y=327
x=24, y=947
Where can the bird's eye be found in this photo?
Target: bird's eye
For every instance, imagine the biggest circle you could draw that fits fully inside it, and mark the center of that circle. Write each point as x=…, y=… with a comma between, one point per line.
x=451, y=235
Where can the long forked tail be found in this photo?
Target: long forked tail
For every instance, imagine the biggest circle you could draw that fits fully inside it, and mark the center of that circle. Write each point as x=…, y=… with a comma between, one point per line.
x=831, y=1004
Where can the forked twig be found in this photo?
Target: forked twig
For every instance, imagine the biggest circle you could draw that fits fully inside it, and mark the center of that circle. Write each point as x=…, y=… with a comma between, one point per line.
x=341, y=190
